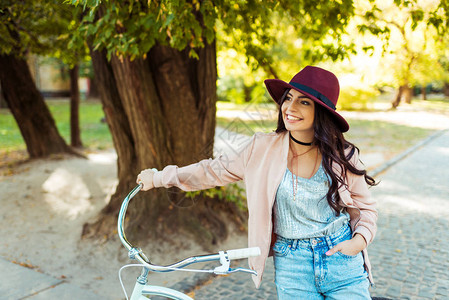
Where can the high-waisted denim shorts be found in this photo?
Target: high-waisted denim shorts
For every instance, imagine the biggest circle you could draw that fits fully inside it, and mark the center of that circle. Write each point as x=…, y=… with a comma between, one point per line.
x=304, y=271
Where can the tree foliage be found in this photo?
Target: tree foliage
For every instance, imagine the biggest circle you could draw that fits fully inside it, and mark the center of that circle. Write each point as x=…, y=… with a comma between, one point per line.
x=411, y=35
x=272, y=36
x=43, y=28
x=434, y=13
x=31, y=27
x=157, y=61
x=131, y=28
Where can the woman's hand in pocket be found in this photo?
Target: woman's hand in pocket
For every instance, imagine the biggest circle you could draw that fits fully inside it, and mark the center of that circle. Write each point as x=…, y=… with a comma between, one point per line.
x=350, y=247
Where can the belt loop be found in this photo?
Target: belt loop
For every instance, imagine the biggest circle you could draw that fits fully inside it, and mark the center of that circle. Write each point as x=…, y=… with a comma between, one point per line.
x=295, y=244
x=329, y=242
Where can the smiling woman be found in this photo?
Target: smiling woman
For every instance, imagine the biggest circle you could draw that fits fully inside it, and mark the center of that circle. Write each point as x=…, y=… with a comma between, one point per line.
x=308, y=113
x=302, y=177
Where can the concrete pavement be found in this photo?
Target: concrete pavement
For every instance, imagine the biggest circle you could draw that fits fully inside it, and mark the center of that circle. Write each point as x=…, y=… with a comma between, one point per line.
x=411, y=252
x=19, y=282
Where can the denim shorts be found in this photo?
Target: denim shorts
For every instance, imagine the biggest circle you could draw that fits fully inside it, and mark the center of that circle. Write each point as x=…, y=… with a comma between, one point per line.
x=304, y=271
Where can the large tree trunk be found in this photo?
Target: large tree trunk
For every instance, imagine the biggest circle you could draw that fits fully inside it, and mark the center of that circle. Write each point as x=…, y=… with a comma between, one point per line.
x=160, y=110
x=3, y=103
x=405, y=92
x=408, y=94
x=397, y=99
x=92, y=88
x=29, y=109
x=75, y=133
x=423, y=92
x=446, y=89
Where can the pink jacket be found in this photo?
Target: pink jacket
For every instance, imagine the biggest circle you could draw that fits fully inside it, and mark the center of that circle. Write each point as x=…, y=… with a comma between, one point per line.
x=261, y=164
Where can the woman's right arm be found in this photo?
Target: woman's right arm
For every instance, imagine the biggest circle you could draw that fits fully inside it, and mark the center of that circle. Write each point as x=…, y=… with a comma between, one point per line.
x=207, y=173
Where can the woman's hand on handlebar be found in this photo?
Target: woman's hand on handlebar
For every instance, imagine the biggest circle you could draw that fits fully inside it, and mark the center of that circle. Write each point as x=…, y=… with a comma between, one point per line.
x=146, y=179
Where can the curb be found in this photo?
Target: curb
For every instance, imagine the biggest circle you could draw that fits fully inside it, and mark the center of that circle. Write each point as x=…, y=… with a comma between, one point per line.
x=385, y=166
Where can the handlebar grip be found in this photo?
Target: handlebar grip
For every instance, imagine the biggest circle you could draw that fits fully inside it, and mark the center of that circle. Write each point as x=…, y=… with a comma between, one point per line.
x=243, y=253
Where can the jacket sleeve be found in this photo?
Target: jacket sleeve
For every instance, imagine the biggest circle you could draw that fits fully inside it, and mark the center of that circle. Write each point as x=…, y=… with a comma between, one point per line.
x=208, y=173
x=362, y=200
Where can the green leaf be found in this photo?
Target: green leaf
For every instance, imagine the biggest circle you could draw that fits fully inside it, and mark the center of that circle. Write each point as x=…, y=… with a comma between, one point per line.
x=168, y=20
x=193, y=54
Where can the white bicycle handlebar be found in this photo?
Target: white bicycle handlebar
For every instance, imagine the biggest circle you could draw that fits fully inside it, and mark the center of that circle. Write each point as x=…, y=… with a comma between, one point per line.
x=223, y=256
x=243, y=253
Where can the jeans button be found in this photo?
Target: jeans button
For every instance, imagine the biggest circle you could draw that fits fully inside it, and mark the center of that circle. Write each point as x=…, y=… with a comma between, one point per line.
x=314, y=242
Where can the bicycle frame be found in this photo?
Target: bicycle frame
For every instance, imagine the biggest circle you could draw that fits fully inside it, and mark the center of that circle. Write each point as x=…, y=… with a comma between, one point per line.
x=141, y=288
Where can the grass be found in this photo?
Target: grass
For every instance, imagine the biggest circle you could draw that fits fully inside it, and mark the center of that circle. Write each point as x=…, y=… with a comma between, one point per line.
x=433, y=104
x=94, y=133
x=224, y=105
x=369, y=136
x=247, y=127
x=10, y=137
x=385, y=137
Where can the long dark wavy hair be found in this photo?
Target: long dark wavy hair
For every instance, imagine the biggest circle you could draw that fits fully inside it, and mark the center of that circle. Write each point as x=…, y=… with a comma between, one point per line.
x=332, y=145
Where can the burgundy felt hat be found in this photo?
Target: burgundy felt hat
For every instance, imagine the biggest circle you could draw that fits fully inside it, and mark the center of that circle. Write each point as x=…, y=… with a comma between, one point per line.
x=318, y=84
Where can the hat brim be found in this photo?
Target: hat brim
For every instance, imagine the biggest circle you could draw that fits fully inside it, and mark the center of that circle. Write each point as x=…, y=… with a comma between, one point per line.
x=277, y=87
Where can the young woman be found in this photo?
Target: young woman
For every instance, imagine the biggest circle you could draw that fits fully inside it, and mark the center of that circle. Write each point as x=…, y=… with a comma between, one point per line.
x=308, y=198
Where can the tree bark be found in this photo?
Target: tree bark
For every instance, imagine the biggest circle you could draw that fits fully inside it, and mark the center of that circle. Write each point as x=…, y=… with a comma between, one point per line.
x=408, y=94
x=160, y=110
x=247, y=93
x=446, y=89
x=92, y=91
x=405, y=92
x=398, y=97
x=75, y=133
x=29, y=109
x=423, y=92
x=3, y=103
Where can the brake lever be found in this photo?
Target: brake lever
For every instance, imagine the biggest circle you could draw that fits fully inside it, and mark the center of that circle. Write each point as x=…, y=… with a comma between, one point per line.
x=225, y=263
x=225, y=268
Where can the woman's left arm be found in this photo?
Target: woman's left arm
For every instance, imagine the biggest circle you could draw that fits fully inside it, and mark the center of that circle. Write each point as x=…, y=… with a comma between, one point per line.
x=365, y=227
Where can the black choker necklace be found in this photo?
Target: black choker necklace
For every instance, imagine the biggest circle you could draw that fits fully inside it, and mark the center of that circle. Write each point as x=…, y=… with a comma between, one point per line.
x=299, y=142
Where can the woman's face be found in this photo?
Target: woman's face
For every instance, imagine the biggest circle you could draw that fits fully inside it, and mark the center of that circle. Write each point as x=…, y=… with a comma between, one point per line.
x=298, y=112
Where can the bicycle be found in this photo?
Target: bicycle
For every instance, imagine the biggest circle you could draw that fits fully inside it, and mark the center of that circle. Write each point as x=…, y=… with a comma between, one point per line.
x=142, y=289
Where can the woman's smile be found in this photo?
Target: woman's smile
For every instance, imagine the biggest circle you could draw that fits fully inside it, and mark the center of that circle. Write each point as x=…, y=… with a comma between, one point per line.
x=292, y=118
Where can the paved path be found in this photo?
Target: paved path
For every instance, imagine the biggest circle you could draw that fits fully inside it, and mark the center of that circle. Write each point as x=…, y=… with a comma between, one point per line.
x=411, y=251
x=410, y=255
x=18, y=282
